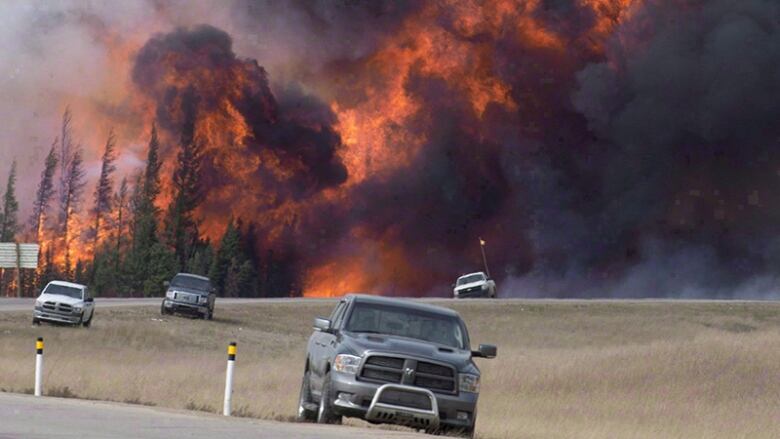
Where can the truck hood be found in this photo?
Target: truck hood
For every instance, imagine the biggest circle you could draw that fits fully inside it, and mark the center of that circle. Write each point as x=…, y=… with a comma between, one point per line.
x=473, y=284
x=60, y=298
x=359, y=344
x=188, y=290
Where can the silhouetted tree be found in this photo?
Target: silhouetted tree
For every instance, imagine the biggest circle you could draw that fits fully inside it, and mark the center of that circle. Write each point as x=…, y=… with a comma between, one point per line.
x=181, y=227
x=44, y=193
x=8, y=219
x=70, y=203
x=104, y=189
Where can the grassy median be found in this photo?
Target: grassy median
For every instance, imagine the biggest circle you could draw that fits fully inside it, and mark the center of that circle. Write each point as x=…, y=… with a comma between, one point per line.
x=565, y=369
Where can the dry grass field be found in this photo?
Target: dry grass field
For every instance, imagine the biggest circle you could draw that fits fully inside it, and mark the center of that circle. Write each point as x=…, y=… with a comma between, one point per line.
x=565, y=369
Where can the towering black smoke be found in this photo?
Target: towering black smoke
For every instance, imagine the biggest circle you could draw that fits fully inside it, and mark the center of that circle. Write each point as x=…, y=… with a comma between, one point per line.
x=643, y=165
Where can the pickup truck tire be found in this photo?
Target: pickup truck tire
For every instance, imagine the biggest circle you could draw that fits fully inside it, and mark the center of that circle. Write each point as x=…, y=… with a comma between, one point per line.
x=304, y=413
x=467, y=433
x=36, y=322
x=87, y=323
x=210, y=315
x=325, y=413
x=163, y=311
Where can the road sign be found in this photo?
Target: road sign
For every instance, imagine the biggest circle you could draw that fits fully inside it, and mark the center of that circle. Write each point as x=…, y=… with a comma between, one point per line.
x=13, y=255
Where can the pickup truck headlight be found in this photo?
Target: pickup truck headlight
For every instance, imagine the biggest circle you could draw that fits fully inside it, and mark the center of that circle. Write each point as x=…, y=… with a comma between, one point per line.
x=77, y=309
x=169, y=294
x=469, y=383
x=346, y=363
x=202, y=299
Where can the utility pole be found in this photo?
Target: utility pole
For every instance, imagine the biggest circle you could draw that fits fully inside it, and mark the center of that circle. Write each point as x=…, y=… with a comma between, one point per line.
x=484, y=258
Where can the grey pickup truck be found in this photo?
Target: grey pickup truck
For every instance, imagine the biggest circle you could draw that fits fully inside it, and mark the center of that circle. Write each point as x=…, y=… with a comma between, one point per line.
x=189, y=294
x=392, y=361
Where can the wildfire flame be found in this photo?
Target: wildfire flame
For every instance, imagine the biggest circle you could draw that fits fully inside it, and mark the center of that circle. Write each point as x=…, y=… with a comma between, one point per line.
x=264, y=156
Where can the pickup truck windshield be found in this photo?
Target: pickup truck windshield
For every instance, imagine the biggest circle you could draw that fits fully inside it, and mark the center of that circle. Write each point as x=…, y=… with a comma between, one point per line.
x=191, y=283
x=405, y=322
x=62, y=290
x=469, y=279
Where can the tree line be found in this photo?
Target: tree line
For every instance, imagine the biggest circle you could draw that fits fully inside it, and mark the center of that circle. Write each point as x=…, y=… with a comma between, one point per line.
x=125, y=244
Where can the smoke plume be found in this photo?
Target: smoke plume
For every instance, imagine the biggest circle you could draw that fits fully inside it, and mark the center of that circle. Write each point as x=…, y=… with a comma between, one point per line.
x=600, y=147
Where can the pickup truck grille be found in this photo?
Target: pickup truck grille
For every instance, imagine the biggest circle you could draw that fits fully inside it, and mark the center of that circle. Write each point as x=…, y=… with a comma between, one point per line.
x=186, y=297
x=387, y=369
x=57, y=307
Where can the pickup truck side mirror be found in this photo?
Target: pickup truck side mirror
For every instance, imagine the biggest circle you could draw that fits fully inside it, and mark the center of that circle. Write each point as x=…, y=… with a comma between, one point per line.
x=321, y=324
x=485, y=351
x=89, y=300
x=166, y=284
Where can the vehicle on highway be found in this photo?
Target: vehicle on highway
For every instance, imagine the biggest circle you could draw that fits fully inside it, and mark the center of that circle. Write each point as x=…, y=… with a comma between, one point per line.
x=189, y=294
x=392, y=361
x=474, y=285
x=64, y=302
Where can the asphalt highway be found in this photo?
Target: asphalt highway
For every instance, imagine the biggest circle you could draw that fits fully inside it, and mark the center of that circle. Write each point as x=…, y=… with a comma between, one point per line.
x=28, y=417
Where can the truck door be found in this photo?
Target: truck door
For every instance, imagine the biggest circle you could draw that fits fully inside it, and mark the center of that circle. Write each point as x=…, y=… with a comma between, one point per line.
x=324, y=344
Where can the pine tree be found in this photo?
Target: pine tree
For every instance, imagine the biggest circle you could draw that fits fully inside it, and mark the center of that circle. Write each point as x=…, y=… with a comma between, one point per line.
x=104, y=189
x=44, y=193
x=229, y=249
x=70, y=203
x=232, y=272
x=149, y=262
x=181, y=226
x=8, y=223
x=8, y=219
x=120, y=201
x=201, y=260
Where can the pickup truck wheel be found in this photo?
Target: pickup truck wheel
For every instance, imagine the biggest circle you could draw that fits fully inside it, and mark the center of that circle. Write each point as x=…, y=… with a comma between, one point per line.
x=304, y=413
x=163, y=311
x=210, y=315
x=88, y=322
x=36, y=322
x=325, y=413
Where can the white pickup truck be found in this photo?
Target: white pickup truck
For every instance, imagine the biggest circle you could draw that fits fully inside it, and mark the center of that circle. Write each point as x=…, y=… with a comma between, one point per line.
x=64, y=302
x=474, y=285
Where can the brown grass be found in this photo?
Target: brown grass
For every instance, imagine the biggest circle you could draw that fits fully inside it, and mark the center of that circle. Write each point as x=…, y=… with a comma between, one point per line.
x=565, y=369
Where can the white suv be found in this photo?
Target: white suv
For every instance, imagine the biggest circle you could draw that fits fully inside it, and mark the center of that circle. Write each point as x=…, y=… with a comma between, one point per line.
x=64, y=302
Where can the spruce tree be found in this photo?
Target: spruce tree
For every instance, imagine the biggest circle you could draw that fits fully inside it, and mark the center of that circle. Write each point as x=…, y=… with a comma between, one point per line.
x=9, y=224
x=181, y=227
x=44, y=193
x=150, y=263
x=8, y=219
x=233, y=271
x=120, y=201
x=70, y=203
x=229, y=250
x=104, y=189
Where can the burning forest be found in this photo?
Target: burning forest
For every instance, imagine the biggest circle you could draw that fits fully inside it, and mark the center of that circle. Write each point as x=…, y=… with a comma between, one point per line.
x=620, y=148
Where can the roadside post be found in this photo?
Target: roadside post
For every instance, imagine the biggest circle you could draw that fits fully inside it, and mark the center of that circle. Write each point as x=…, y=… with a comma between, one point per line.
x=38, y=365
x=229, y=379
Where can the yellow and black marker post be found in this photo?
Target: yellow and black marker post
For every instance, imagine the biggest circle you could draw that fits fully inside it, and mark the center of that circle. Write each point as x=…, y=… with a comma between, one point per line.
x=38, y=365
x=229, y=379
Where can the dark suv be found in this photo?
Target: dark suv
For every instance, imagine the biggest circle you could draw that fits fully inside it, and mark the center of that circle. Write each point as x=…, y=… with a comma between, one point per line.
x=392, y=361
x=189, y=294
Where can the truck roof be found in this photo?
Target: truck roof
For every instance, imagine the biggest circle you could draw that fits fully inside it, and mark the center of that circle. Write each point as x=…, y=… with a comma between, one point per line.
x=406, y=303
x=68, y=284
x=192, y=275
x=471, y=274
